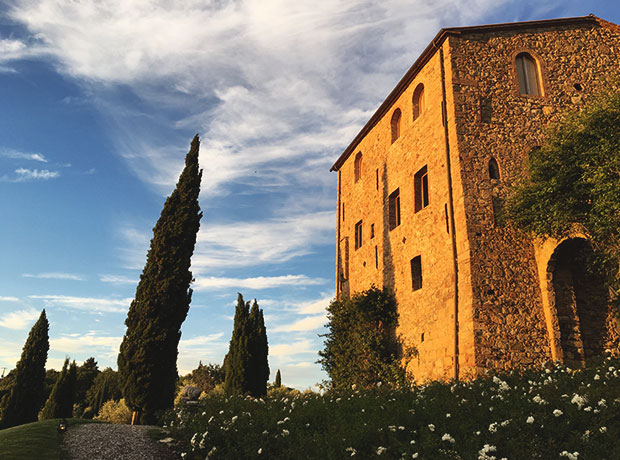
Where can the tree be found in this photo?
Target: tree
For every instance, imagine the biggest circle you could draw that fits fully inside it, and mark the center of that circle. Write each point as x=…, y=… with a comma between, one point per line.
x=238, y=357
x=573, y=183
x=26, y=397
x=147, y=362
x=206, y=378
x=278, y=381
x=104, y=388
x=60, y=402
x=86, y=374
x=258, y=365
x=360, y=347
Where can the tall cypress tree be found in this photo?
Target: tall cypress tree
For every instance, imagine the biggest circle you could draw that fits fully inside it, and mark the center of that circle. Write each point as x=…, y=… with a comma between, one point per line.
x=237, y=360
x=278, y=382
x=26, y=397
x=60, y=402
x=147, y=362
x=258, y=367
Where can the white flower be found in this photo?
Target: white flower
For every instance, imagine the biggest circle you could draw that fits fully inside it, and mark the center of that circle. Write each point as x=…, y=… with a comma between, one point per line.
x=414, y=455
x=392, y=428
x=578, y=400
x=448, y=415
x=431, y=427
x=285, y=432
x=587, y=409
x=234, y=419
x=557, y=412
x=493, y=427
x=447, y=437
x=482, y=453
x=212, y=451
x=603, y=429
x=221, y=412
x=597, y=377
x=380, y=449
x=602, y=403
x=573, y=456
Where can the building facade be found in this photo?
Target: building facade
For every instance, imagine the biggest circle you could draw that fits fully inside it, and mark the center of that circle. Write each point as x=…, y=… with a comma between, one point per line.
x=421, y=190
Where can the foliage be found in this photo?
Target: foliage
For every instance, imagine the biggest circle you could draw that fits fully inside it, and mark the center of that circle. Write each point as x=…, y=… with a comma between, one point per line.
x=60, y=402
x=104, y=388
x=38, y=440
x=23, y=402
x=360, y=347
x=86, y=374
x=148, y=353
x=246, y=367
x=574, y=183
x=187, y=393
x=114, y=412
x=534, y=414
x=205, y=377
x=278, y=381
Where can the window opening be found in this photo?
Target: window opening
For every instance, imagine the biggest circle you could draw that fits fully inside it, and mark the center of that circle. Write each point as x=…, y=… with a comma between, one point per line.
x=394, y=209
x=372, y=231
x=527, y=74
x=343, y=211
x=418, y=101
x=420, y=186
x=358, y=235
x=422, y=337
x=377, y=178
x=416, y=273
x=396, y=125
x=376, y=257
x=493, y=169
x=445, y=210
x=358, y=166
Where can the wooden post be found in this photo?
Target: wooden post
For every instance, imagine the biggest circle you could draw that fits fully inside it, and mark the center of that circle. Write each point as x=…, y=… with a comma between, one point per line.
x=134, y=417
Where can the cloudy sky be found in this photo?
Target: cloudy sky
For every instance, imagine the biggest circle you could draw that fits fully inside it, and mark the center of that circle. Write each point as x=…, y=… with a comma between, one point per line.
x=98, y=103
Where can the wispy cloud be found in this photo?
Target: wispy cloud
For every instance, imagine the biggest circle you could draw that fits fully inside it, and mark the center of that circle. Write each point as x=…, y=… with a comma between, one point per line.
x=20, y=319
x=16, y=154
x=24, y=174
x=8, y=299
x=310, y=323
x=54, y=276
x=90, y=343
x=207, y=348
x=118, y=279
x=289, y=350
x=259, y=282
x=89, y=304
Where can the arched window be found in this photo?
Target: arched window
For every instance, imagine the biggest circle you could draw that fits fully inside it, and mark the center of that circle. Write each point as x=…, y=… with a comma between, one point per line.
x=396, y=125
x=358, y=166
x=527, y=74
x=418, y=101
x=493, y=169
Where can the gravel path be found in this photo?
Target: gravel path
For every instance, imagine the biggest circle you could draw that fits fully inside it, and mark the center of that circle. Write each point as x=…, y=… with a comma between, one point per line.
x=102, y=441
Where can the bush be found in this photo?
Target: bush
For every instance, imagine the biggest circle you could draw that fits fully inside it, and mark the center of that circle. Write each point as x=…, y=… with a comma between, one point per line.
x=187, y=393
x=114, y=412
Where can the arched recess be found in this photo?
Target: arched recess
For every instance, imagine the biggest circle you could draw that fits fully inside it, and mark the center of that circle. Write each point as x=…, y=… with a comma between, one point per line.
x=578, y=302
x=493, y=169
x=358, y=166
x=418, y=101
x=395, y=123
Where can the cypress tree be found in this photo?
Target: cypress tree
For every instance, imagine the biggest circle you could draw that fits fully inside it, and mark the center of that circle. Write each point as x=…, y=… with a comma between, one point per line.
x=147, y=362
x=278, y=381
x=60, y=402
x=237, y=360
x=258, y=366
x=26, y=397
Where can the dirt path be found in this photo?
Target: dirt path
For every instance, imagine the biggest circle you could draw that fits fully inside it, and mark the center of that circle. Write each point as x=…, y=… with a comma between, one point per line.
x=102, y=441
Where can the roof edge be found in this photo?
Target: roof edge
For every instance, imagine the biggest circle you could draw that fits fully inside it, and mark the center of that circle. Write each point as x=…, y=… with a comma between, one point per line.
x=430, y=50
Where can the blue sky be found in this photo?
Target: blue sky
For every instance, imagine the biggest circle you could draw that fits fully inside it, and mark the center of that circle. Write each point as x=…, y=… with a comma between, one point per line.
x=98, y=104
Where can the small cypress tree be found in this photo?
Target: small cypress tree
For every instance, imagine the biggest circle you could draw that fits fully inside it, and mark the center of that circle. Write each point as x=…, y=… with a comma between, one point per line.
x=278, y=382
x=147, y=361
x=258, y=365
x=238, y=357
x=60, y=402
x=26, y=397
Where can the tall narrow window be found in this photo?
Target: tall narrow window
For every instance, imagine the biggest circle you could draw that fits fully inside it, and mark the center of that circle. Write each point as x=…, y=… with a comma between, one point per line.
x=377, y=178
x=420, y=189
x=358, y=235
x=394, y=209
x=396, y=125
x=358, y=166
x=527, y=74
x=416, y=273
x=376, y=257
x=418, y=101
x=372, y=231
x=343, y=212
x=493, y=169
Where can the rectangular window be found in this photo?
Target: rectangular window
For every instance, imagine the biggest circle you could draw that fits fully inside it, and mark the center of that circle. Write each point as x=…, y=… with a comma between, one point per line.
x=394, y=209
x=445, y=210
x=376, y=257
x=420, y=189
x=416, y=273
x=358, y=235
x=372, y=231
x=377, y=178
x=343, y=212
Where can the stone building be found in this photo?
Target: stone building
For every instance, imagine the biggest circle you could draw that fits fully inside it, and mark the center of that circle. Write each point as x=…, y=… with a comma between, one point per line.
x=420, y=193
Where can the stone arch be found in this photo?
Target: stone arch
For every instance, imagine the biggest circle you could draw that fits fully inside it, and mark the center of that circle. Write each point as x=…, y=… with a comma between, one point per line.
x=578, y=303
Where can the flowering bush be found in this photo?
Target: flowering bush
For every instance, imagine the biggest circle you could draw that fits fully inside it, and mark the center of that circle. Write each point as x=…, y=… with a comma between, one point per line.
x=556, y=413
x=114, y=412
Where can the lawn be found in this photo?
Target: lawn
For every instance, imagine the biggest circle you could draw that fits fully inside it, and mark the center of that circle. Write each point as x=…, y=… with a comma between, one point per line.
x=38, y=440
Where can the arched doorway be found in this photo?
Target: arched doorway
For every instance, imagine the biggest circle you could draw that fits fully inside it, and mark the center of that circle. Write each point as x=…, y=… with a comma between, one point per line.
x=579, y=298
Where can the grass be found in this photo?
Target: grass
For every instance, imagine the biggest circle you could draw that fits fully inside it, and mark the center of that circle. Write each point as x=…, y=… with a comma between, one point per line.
x=38, y=440
x=554, y=413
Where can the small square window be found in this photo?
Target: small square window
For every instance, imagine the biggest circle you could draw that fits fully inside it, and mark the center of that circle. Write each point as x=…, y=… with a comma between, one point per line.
x=416, y=273
x=358, y=235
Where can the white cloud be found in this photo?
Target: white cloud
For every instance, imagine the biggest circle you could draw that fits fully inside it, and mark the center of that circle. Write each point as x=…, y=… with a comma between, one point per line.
x=8, y=299
x=54, y=276
x=88, y=344
x=89, y=304
x=208, y=349
x=16, y=154
x=118, y=279
x=20, y=319
x=309, y=323
x=24, y=174
x=289, y=350
x=259, y=282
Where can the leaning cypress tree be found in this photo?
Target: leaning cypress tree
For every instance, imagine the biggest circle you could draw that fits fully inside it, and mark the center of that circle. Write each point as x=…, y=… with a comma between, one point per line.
x=237, y=360
x=258, y=367
x=60, y=402
x=147, y=361
x=26, y=397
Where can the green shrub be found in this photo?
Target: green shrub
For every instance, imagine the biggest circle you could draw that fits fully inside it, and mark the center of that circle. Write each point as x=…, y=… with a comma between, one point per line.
x=114, y=412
